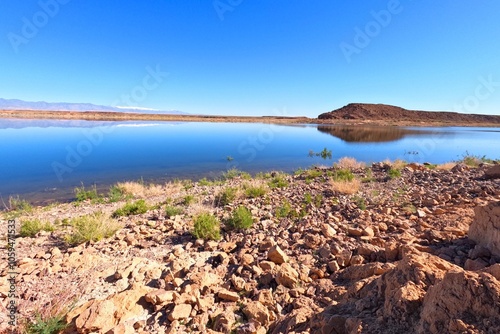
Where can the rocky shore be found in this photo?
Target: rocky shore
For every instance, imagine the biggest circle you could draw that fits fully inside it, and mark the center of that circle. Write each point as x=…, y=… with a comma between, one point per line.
x=385, y=248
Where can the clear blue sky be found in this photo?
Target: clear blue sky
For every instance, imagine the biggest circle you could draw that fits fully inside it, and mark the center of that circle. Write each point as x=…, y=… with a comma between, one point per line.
x=253, y=57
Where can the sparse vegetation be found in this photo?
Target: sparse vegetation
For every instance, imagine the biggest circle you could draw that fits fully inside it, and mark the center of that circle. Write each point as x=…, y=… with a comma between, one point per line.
x=233, y=173
x=93, y=227
x=278, y=181
x=29, y=228
x=254, y=191
x=171, y=210
x=83, y=194
x=324, y=154
x=188, y=200
x=18, y=206
x=343, y=175
x=473, y=160
x=240, y=219
x=206, y=226
x=135, y=208
x=346, y=187
x=349, y=164
x=311, y=174
x=226, y=196
x=360, y=202
x=285, y=211
x=369, y=176
x=47, y=325
x=394, y=173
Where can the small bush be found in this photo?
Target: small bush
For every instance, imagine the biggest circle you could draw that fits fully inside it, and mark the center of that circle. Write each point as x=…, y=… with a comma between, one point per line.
x=93, y=227
x=206, y=226
x=241, y=218
x=346, y=187
x=285, y=211
x=349, y=163
x=343, y=175
x=30, y=228
x=360, y=202
x=255, y=191
x=226, y=196
x=117, y=194
x=204, y=182
x=233, y=173
x=188, y=200
x=19, y=205
x=82, y=194
x=394, y=173
x=51, y=325
x=171, y=211
x=279, y=181
x=135, y=208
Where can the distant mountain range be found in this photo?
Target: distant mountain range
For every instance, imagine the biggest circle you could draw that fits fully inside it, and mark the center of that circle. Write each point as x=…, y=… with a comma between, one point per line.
x=14, y=104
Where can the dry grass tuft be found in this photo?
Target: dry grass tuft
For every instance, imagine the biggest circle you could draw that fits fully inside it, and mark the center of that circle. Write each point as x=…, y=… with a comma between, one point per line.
x=346, y=187
x=446, y=166
x=349, y=163
x=140, y=190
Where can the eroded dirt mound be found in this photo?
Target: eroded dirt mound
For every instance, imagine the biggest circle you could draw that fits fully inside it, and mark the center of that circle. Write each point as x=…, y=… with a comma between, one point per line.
x=388, y=113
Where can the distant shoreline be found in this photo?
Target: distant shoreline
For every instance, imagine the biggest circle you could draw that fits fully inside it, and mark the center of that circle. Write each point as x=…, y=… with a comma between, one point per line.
x=119, y=116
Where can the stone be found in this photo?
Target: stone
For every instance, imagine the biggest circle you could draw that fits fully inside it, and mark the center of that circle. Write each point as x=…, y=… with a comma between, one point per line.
x=344, y=258
x=267, y=265
x=333, y=266
x=257, y=312
x=485, y=228
x=391, y=251
x=492, y=172
x=159, y=297
x=328, y=231
x=356, y=259
x=368, y=232
x=181, y=311
x=421, y=213
x=287, y=276
x=228, y=295
x=474, y=265
x=276, y=255
x=265, y=297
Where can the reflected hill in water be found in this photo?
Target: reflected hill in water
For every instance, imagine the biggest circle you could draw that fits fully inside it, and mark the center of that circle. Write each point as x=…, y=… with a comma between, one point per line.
x=371, y=134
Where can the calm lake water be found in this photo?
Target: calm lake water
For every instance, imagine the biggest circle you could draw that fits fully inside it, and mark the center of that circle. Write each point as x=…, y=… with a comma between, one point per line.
x=42, y=160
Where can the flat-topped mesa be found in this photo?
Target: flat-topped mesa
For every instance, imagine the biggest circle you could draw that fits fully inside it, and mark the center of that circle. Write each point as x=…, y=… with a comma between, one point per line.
x=384, y=112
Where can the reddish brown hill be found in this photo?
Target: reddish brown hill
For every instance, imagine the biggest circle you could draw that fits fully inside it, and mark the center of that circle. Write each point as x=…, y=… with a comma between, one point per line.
x=383, y=112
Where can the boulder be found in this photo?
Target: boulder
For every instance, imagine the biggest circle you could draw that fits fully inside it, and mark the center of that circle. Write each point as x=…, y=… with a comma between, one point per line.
x=492, y=172
x=485, y=229
x=276, y=255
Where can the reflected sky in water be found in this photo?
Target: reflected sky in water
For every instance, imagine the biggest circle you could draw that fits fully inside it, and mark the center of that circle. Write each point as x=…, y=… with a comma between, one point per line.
x=47, y=159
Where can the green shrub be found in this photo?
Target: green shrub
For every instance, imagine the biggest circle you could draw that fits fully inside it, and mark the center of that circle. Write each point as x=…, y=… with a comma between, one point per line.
x=19, y=205
x=255, y=191
x=226, y=196
x=171, y=211
x=204, y=182
x=241, y=218
x=206, y=226
x=279, y=181
x=343, y=175
x=82, y=194
x=394, y=173
x=29, y=228
x=117, y=194
x=93, y=227
x=51, y=325
x=360, y=202
x=135, y=208
x=188, y=200
x=233, y=173
x=285, y=211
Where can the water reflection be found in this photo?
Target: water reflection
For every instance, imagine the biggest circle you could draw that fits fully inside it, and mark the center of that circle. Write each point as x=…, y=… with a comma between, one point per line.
x=370, y=134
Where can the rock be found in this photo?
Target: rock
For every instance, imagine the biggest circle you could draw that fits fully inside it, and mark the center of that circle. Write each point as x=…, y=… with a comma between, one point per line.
x=228, y=295
x=276, y=255
x=344, y=258
x=492, y=172
x=333, y=266
x=474, y=265
x=103, y=315
x=485, y=229
x=328, y=231
x=287, y=276
x=470, y=297
x=354, y=231
x=267, y=265
x=479, y=251
x=356, y=259
x=159, y=297
x=391, y=251
x=421, y=213
x=255, y=311
x=265, y=297
x=181, y=311
x=368, y=232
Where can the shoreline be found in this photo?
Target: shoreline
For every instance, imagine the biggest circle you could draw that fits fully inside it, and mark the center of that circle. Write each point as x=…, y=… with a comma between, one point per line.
x=118, y=116
x=309, y=240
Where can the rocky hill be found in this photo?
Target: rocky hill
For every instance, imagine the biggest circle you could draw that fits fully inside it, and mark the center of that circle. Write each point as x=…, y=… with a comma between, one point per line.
x=410, y=249
x=391, y=114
